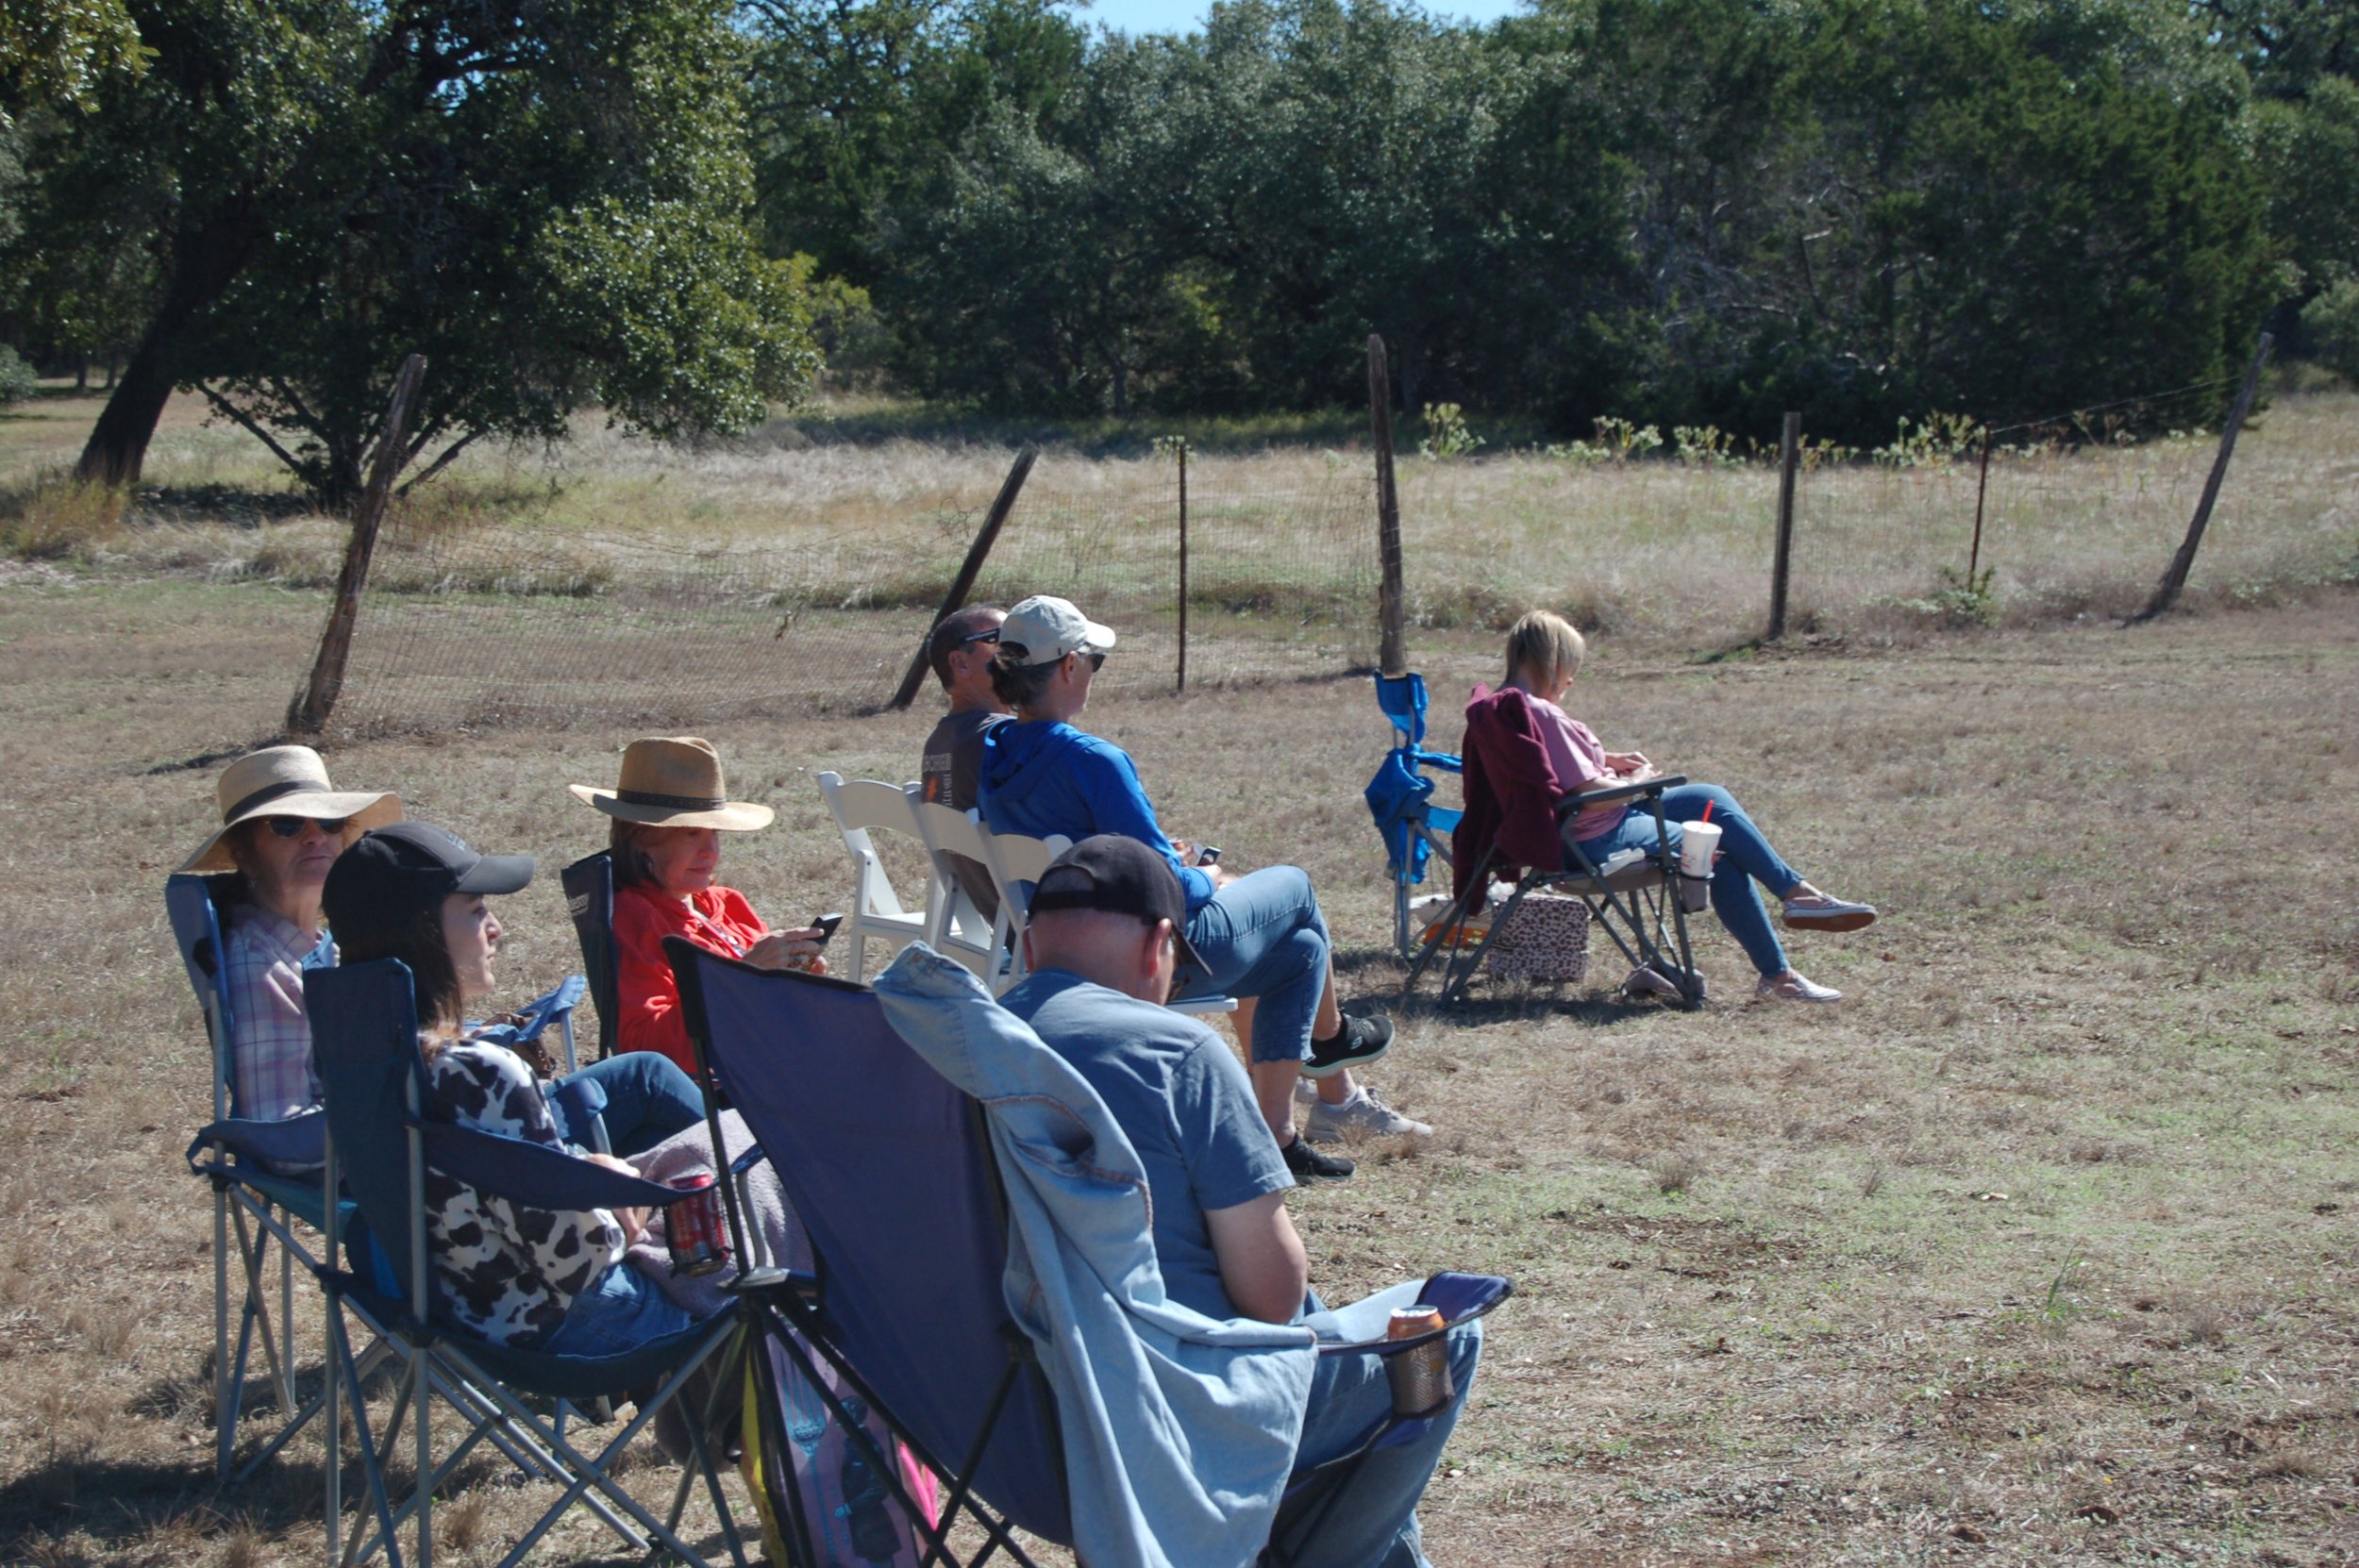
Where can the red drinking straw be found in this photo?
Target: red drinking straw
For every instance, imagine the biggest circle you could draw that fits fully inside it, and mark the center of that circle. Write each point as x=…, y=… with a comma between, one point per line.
x=1708, y=806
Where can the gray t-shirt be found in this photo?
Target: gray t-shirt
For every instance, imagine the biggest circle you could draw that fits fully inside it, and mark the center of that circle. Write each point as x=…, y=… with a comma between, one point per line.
x=954, y=753
x=1181, y=1095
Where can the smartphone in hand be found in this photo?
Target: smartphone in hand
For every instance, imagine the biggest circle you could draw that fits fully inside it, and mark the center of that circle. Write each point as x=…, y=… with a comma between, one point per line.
x=826, y=925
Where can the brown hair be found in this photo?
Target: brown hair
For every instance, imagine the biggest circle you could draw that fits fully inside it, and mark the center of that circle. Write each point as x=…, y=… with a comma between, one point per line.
x=626, y=844
x=1020, y=685
x=951, y=634
x=1543, y=641
x=433, y=980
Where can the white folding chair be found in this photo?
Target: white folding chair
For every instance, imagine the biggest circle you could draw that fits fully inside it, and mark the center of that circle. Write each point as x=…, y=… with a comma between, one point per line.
x=860, y=806
x=954, y=927
x=1015, y=863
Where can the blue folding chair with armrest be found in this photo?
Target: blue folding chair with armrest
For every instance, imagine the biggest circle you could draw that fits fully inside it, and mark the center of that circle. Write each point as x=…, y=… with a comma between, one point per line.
x=892, y=1169
x=589, y=884
x=252, y=1167
x=1401, y=798
x=382, y=1142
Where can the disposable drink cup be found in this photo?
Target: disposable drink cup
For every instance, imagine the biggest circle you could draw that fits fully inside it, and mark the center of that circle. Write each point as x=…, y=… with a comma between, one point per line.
x=1698, y=843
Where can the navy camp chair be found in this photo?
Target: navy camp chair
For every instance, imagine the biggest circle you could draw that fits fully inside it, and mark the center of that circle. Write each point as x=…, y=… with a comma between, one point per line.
x=589, y=899
x=1401, y=798
x=256, y=1173
x=365, y=1039
x=891, y=1168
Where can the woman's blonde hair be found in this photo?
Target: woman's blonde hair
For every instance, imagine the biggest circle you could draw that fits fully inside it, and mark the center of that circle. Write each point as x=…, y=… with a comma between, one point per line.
x=1542, y=640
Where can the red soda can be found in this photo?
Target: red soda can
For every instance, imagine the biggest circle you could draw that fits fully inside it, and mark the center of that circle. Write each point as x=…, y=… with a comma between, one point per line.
x=694, y=1225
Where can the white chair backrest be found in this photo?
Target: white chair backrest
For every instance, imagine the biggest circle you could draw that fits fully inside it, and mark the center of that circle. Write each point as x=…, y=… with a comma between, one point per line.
x=1015, y=862
x=954, y=927
x=860, y=806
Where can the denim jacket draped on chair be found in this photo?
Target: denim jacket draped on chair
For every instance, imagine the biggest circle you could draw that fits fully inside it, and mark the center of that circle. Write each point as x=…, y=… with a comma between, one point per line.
x=1178, y=1429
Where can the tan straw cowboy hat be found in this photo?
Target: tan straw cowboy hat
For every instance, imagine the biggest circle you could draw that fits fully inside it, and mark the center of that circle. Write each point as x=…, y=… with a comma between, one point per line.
x=287, y=781
x=675, y=783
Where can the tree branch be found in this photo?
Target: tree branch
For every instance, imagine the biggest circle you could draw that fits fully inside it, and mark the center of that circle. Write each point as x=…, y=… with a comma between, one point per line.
x=440, y=463
x=251, y=428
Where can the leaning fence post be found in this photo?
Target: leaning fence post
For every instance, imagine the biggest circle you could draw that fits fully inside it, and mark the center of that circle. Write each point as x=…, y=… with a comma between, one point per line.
x=1789, y=457
x=969, y=570
x=2175, y=576
x=1391, y=654
x=1982, y=490
x=307, y=713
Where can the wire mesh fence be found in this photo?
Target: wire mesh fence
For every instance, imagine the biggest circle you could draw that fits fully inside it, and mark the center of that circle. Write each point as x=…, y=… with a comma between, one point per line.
x=549, y=623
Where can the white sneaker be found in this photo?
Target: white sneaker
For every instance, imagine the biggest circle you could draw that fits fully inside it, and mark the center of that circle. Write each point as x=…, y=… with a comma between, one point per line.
x=1306, y=1092
x=1793, y=987
x=1363, y=1113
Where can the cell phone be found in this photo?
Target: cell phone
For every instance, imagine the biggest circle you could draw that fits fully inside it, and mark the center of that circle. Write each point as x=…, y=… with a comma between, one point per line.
x=827, y=924
x=1208, y=855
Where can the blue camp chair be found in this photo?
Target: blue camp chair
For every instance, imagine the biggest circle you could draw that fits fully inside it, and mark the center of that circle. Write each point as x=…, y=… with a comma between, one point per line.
x=589, y=884
x=891, y=1168
x=253, y=1203
x=1400, y=797
x=365, y=1039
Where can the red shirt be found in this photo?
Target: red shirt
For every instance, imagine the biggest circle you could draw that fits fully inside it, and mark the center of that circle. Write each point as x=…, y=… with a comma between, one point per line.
x=645, y=993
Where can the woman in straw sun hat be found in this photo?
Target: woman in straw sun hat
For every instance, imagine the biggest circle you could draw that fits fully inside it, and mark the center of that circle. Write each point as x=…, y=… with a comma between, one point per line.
x=670, y=808
x=282, y=826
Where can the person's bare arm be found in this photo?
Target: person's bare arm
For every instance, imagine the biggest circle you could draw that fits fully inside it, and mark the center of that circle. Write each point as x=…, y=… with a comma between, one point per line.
x=1262, y=1265
x=633, y=1221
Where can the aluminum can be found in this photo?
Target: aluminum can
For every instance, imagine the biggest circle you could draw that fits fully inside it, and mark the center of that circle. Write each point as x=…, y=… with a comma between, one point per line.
x=694, y=1225
x=1420, y=1375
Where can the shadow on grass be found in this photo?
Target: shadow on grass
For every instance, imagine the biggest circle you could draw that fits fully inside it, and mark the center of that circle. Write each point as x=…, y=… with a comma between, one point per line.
x=226, y=505
x=118, y=1505
x=1378, y=976
x=866, y=423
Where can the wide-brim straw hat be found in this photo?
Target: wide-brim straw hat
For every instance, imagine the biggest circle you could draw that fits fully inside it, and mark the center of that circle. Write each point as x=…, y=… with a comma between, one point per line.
x=675, y=782
x=287, y=781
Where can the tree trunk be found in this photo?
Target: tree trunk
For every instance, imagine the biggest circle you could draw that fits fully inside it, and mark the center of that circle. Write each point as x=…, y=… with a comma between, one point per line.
x=205, y=261
x=81, y=375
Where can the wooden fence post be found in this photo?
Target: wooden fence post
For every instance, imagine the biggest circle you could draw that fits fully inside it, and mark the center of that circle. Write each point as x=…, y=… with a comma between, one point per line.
x=1180, y=684
x=1982, y=490
x=1789, y=458
x=307, y=713
x=969, y=570
x=2175, y=576
x=1390, y=655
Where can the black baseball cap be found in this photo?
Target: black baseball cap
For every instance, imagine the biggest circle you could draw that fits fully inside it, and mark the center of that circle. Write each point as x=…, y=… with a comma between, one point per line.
x=377, y=888
x=1117, y=874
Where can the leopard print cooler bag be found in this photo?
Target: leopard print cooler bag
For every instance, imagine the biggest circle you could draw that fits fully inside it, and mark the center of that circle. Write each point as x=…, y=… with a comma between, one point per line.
x=1548, y=940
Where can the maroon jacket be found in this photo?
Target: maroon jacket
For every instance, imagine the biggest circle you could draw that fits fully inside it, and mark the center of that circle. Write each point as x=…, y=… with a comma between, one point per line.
x=1512, y=791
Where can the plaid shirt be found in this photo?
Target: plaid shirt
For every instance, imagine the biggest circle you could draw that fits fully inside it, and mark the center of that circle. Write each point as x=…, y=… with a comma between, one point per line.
x=269, y=1050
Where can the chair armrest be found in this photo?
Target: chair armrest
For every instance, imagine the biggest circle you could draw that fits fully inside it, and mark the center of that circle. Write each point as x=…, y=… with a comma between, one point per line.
x=1460, y=1297
x=1572, y=804
x=534, y=1174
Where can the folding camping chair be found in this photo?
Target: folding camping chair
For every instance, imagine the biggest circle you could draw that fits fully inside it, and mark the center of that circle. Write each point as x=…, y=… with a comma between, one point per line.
x=589, y=884
x=861, y=807
x=1640, y=898
x=1400, y=797
x=1016, y=863
x=382, y=1142
x=253, y=1205
x=892, y=1170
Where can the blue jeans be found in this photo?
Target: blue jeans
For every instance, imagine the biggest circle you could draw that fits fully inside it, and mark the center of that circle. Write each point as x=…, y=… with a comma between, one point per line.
x=1262, y=935
x=619, y=1313
x=1373, y=1522
x=647, y=1099
x=1745, y=857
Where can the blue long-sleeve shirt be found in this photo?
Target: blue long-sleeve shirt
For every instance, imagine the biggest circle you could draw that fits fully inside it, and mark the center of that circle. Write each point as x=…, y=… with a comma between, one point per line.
x=1040, y=778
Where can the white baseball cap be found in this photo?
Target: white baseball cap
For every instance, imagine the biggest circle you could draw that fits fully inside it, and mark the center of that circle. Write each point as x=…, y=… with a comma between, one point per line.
x=1043, y=629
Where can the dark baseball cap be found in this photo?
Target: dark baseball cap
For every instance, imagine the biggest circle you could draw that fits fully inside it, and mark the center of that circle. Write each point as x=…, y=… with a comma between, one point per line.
x=377, y=888
x=1117, y=874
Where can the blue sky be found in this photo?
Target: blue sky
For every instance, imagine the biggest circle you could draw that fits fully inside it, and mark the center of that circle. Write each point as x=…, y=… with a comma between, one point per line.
x=1184, y=16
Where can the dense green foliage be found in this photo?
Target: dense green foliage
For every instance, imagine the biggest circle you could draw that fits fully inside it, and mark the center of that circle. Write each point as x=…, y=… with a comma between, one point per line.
x=1700, y=212
x=1684, y=211
x=553, y=202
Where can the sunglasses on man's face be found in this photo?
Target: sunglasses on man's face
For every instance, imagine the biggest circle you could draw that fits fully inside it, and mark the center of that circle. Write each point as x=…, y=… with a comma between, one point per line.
x=972, y=638
x=291, y=827
x=1098, y=660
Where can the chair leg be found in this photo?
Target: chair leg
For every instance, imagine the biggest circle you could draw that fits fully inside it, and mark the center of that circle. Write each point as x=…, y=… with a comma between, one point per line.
x=225, y=1406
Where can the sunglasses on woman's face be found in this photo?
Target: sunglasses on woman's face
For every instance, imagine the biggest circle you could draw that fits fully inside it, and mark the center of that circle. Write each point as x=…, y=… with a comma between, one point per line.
x=291, y=827
x=1098, y=660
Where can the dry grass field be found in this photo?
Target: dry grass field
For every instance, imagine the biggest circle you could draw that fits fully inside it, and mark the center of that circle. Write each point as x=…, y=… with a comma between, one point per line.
x=2041, y=1247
